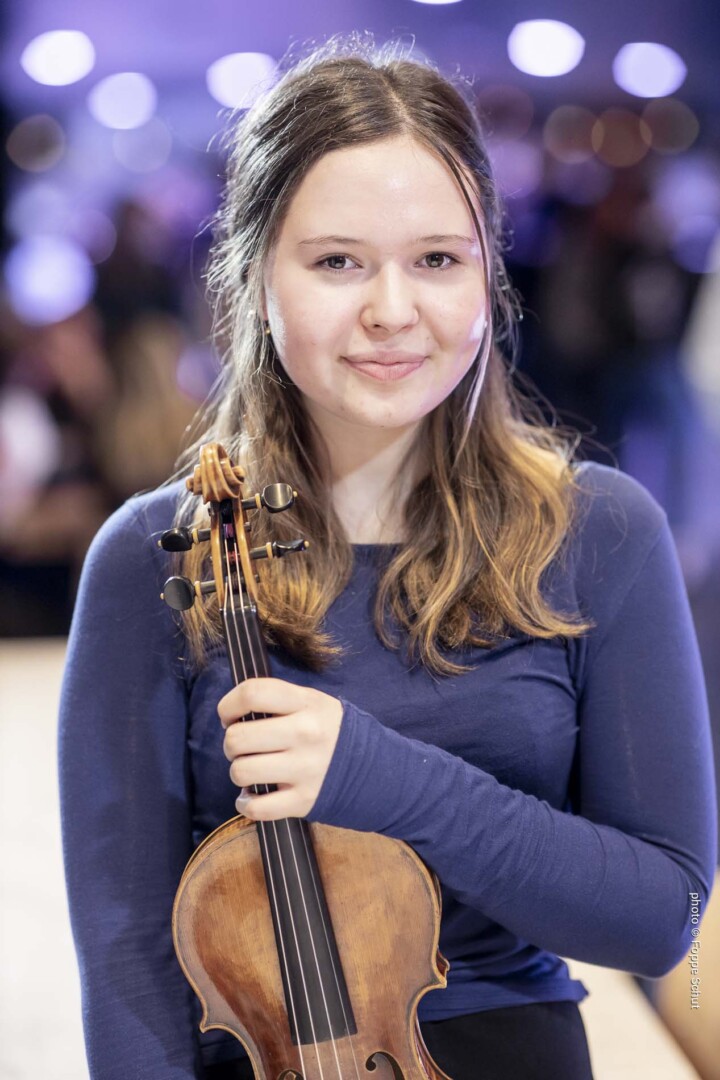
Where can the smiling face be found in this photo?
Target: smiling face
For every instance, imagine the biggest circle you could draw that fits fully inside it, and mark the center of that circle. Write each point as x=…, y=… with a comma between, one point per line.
x=378, y=253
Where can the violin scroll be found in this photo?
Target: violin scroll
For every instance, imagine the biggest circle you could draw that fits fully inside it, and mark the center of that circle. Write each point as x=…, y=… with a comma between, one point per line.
x=220, y=484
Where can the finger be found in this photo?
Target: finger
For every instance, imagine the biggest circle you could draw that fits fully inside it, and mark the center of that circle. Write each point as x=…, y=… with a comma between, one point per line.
x=260, y=695
x=263, y=769
x=274, y=806
x=260, y=736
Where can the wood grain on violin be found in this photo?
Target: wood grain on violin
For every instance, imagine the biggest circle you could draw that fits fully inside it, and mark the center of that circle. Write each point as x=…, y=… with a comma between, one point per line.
x=311, y=944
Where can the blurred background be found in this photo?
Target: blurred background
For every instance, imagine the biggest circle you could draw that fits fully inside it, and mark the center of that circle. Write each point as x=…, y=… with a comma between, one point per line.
x=604, y=129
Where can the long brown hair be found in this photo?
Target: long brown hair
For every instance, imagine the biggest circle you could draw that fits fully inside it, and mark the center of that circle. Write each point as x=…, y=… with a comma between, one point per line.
x=499, y=499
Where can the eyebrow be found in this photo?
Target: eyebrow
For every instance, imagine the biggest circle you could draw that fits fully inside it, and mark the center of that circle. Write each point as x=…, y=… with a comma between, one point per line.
x=435, y=238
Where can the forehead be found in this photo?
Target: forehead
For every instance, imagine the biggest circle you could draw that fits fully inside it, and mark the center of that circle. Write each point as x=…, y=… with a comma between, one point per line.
x=380, y=189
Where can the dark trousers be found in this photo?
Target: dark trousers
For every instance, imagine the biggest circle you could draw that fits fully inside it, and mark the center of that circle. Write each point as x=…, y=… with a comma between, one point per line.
x=542, y=1041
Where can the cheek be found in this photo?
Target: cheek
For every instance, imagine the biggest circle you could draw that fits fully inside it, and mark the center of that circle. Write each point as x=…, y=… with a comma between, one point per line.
x=309, y=331
x=304, y=310
x=462, y=330
x=302, y=343
x=294, y=329
x=461, y=335
x=462, y=319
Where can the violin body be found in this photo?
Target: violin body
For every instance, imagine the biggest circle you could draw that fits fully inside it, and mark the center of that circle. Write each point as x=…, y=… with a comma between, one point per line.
x=385, y=909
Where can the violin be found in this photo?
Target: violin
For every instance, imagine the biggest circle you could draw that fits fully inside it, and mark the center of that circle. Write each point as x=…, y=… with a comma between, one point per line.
x=309, y=943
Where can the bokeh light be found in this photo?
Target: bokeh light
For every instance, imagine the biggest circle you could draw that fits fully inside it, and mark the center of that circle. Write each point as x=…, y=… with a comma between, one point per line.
x=126, y=100
x=58, y=57
x=673, y=126
x=647, y=69
x=567, y=134
x=545, y=47
x=36, y=143
x=620, y=138
x=48, y=279
x=40, y=206
x=687, y=186
x=237, y=80
x=94, y=230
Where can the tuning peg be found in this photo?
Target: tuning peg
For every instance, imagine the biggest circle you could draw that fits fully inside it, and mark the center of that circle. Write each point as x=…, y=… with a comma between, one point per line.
x=182, y=538
x=180, y=592
x=278, y=497
x=278, y=548
x=274, y=497
x=289, y=547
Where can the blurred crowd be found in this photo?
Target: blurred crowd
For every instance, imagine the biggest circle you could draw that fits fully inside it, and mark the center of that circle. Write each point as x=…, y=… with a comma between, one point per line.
x=93, y=409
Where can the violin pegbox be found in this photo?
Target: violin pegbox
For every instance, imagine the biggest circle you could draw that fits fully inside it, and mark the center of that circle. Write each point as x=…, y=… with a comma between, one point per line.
x=219, y=482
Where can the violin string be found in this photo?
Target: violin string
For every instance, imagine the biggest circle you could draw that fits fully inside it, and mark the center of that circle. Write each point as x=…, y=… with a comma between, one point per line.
x=261, y=835
x=330, y=954
x=325, y=932
x=313, y=878
x=229, y=594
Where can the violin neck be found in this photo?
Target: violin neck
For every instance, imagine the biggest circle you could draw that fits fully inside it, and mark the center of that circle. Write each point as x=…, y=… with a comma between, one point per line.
x=246, y=648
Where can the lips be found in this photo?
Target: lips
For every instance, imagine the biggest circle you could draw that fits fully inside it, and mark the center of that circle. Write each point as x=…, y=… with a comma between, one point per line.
x=388, y=356
x=385, y=372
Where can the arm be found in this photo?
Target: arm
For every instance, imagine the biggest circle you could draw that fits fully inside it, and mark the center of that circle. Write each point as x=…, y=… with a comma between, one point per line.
x=125, y=811
x=610, y=885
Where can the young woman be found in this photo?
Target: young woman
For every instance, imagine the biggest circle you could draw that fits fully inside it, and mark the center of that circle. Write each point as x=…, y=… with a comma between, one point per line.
x=486, y=652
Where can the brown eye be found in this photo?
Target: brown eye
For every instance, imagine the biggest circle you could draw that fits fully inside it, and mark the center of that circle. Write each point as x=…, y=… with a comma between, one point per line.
x=329, y=258
x=441, y=255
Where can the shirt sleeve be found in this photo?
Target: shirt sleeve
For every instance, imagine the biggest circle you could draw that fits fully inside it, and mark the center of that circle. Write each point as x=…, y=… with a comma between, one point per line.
x=611, y=884
x=125, y=811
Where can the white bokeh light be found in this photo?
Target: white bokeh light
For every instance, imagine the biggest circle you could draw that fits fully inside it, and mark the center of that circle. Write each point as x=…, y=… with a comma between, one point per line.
x=237, y=80
x=647, y=69
x=545, y=47
x=48, y=279
x=123, y=101
x=59, y=57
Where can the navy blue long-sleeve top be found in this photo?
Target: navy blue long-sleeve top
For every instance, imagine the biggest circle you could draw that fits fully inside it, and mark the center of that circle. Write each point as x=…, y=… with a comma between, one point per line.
x=562, y=791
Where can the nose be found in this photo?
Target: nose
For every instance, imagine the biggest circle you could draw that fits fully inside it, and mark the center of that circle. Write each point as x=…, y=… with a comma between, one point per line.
x=390, y=301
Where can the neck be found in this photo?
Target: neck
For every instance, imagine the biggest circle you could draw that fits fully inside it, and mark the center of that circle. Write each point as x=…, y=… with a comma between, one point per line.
x=372, y=473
